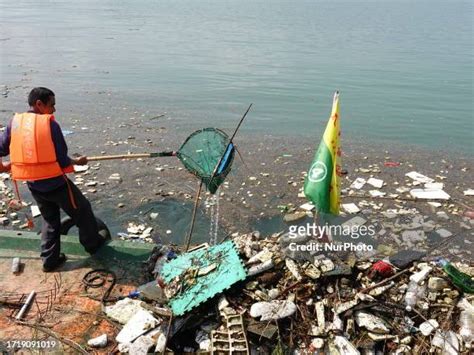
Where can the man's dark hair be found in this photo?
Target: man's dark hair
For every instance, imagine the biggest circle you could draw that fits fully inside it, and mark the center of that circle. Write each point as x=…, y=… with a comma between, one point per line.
x=40, y=93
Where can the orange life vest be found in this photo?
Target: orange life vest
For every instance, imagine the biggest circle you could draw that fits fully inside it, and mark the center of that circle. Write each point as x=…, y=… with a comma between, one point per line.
x=32, y=152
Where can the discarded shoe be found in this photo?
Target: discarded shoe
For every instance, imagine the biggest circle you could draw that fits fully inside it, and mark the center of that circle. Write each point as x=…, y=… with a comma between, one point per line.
x=62, y=259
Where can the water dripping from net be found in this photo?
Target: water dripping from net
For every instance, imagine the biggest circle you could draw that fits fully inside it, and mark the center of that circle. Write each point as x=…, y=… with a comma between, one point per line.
x=212, y=203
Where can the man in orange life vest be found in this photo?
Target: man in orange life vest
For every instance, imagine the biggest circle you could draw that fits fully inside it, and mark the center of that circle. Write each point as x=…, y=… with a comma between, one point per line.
x=38, y=154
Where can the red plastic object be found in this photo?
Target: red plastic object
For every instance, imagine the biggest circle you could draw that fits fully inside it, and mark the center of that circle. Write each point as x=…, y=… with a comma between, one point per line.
x=391, y=164
x=469, y=214
x=381, y=269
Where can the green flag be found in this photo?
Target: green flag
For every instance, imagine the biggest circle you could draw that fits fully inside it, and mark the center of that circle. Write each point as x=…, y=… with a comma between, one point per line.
x=322, y=185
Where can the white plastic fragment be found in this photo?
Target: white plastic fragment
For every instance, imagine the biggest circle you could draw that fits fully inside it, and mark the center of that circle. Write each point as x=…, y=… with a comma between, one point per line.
x=307, y=206
x=203, y=339
x=380, y=337
x=337, y=323
x=317, y=343
x=350, y=207
x=340, y=308
x=293, y=268
x=272, y=310
x=434, y=186
x=437, y=283
x=207, y=269
x=447, y=341
x=35, y=211
x=429, y=194
x=427, y=327
x=371, y=323
x=115, y=177
x=257, y=269
x=99, y=342
x=378, y=183
x=160, y=343
x=344, y=346
x=320, y=316
x=80, y=168
x=262, y=256
x=468, y=192
x=141, y=322
x=376, y=193
x=123, y=310
x=419, y=177
x=421, y=275
x=381, y=289
x=222, y=303
x=466, y=322
x=358, y=183
x=142, y=345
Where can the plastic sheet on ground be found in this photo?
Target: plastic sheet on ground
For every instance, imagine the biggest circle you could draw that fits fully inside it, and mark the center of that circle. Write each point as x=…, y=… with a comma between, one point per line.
x=228, y=271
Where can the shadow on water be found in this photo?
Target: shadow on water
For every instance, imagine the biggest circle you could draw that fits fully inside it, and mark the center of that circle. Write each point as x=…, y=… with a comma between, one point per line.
x=173, y=215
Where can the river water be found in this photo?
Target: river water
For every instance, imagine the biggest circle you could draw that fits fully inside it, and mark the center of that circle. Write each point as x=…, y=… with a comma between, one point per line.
x=404, y=68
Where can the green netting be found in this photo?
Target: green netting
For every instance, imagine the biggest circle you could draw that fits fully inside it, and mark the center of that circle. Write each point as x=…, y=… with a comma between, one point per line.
x=201, y=153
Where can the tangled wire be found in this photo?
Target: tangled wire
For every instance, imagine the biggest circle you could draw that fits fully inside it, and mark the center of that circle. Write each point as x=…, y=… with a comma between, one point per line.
x=97, y=278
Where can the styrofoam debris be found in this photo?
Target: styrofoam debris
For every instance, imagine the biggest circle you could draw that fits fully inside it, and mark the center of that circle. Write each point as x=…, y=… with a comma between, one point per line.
x=468, y=192
x=80, y=168
x=142, y=345
x=307, y=206
x=272, y=310
x=293, y=268
x=376, y=193
x=429, y=194
x=434, y=186
x=340, y=308
x=358, y=183
x=99, y=342
x=371, y=323
x=427, y=327
x=140, y=322
x=257, y=269
x=350, y=208
x=419, y=177
x=344, y=346
x=160, y=343
x=378, y=183
x=262, y=256
x=123, y=310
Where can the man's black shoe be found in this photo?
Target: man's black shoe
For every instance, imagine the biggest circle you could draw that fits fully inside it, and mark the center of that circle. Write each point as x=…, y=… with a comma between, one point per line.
x=62, y=259
x=96, y=249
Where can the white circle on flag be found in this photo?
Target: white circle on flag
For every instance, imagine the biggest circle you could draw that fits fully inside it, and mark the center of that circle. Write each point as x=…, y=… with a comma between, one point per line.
x=317, y=172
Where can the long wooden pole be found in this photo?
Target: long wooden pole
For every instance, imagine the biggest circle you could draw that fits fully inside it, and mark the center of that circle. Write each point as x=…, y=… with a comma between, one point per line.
x=193, y=217
x=131, y=156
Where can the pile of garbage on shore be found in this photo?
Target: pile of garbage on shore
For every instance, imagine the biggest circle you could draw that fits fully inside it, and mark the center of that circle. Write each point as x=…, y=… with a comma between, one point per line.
x=253, y=295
